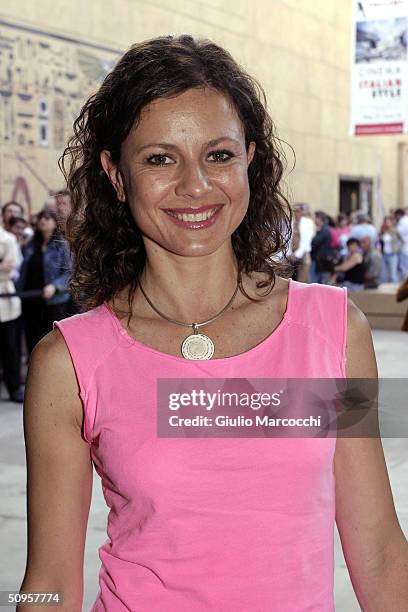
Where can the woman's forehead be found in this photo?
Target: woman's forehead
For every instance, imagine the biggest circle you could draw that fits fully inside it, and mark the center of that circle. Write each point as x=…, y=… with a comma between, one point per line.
x=194, y=110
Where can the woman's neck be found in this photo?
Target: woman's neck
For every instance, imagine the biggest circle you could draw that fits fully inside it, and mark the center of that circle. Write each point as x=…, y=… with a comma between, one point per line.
x=188, y=288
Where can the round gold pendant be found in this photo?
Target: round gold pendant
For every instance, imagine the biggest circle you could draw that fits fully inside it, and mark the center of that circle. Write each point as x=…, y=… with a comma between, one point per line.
x=197, y=346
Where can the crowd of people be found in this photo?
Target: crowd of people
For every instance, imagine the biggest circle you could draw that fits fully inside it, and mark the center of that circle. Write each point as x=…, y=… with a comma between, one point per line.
x=349, y=251
x=35, y=262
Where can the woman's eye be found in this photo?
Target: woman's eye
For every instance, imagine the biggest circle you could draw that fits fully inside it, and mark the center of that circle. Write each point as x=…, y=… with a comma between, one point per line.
x=221, y=156
x=158, y=160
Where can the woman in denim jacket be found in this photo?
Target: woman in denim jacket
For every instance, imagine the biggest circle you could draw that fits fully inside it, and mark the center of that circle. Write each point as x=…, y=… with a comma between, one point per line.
x=46, y=267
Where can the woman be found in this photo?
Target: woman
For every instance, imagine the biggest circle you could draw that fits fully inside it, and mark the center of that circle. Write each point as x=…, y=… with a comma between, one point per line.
x=175, y=176
x=353, y=267
x=391, y=243
x=45, y=269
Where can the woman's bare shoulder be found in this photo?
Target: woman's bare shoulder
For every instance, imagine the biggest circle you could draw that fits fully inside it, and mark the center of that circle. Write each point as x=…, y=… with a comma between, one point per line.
x=53, y=342
x=51, y=375
x=51, y=354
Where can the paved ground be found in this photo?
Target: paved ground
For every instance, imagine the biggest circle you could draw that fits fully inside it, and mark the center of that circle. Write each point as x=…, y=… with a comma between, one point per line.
x=392, y=355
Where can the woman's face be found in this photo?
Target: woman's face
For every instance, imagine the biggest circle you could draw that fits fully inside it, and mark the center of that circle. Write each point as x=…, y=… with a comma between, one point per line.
x=46, y=224
x=184, y=172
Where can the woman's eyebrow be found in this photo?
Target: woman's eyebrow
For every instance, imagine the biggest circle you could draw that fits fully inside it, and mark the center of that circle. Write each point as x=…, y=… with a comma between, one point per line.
x=168, y=145
x=161, y=145
x=213, y=143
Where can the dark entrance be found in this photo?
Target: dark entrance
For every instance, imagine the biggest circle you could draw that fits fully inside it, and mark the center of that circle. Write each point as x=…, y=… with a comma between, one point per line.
x=356, y=193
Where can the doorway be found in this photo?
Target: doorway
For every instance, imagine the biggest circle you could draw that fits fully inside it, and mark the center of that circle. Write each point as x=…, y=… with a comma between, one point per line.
x=356, y=193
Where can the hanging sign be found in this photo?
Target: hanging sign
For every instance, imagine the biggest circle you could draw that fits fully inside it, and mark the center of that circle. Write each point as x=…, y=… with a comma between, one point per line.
x=379, y=98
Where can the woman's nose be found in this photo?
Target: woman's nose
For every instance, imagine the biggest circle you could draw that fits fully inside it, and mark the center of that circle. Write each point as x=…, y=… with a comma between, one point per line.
x=193, y=181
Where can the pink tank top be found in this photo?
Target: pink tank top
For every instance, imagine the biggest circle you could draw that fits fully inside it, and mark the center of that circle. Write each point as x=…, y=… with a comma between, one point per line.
x=210, y=524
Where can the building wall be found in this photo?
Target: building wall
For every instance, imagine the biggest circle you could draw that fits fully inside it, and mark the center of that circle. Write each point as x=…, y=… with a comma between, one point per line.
x=298, y=49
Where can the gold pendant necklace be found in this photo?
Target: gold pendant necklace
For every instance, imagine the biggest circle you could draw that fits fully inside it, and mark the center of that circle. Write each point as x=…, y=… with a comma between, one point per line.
x=196, y=345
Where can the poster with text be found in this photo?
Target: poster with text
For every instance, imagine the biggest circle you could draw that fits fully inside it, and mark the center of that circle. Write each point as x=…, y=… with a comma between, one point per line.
x=379, y=103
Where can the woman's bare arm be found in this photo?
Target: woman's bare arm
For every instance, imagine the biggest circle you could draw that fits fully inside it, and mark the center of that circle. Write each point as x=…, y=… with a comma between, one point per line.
x=374, y=545
x=349, y=263
x=59, y=476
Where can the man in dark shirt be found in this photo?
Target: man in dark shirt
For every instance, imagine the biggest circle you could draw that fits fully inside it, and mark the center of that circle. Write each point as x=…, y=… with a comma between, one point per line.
x=321, y=249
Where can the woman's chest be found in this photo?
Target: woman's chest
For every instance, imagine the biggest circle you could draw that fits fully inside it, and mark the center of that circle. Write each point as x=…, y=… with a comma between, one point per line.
x=232, y=334
x=219, y=473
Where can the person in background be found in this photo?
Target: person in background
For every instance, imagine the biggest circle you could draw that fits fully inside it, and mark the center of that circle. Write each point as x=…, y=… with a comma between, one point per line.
x=9, y=210
x=402, y=228
x=363, y=228
x=46, y=267
x=353, y=268
x=30, y=229
x=343, y=231
x=17, y=225
x=321, y=250
x=335, y=244
x=51, y=202
x=64, y=207
x=373, y=263
x=301, y=243
x=391, y=243
x=10, y=310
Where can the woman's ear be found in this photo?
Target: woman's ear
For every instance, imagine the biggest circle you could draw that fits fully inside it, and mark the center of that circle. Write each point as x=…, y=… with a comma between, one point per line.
x=251, y=151
x=113, y=174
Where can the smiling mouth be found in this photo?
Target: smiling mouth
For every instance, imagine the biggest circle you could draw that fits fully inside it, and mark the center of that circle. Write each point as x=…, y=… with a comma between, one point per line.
x=194, y=217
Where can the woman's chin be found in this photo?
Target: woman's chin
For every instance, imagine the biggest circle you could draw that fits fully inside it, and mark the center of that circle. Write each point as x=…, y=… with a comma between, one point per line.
x=186, y=246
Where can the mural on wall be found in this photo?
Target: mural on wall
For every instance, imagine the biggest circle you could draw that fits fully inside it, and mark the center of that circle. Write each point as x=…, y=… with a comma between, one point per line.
x=44, y=80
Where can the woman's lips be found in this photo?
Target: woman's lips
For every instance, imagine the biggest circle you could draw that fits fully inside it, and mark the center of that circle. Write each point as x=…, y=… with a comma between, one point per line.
x=194, y=224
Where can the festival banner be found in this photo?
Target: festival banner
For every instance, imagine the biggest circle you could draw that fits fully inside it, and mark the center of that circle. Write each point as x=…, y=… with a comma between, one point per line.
x=379, y=103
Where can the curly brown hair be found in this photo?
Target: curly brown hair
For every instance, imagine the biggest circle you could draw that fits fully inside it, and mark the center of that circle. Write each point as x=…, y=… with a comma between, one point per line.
x=107, y=245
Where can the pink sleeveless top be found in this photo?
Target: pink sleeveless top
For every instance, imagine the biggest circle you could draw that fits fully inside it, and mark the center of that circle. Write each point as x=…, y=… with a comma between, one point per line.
x=210, y=524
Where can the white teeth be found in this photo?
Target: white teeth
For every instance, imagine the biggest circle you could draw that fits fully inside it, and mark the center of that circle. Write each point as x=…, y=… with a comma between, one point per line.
x=191, y=217
x=195, y=217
